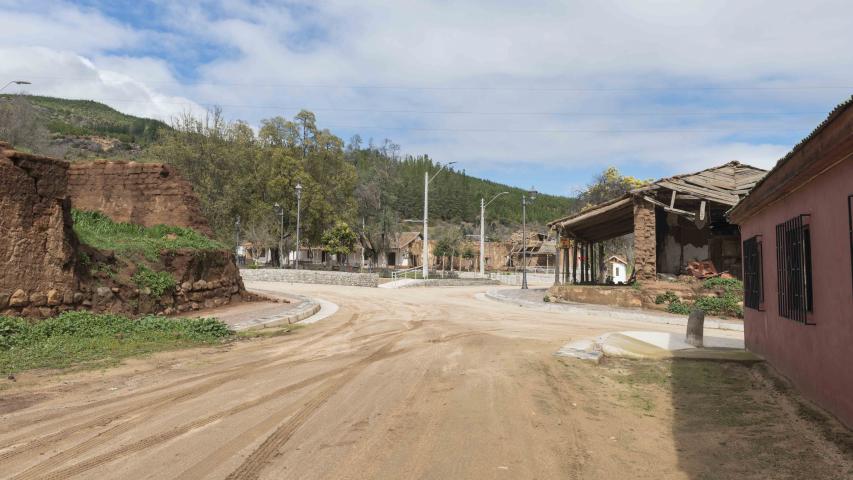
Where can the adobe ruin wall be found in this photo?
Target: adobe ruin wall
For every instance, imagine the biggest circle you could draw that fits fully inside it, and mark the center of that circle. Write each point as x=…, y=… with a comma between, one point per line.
x=146, y=194
x=44, y=270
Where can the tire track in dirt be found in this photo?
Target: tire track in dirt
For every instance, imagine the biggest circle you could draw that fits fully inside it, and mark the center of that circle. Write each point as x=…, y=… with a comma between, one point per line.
x=156, y=439
x=140, y=407
x=103, y=437
x=260, y=457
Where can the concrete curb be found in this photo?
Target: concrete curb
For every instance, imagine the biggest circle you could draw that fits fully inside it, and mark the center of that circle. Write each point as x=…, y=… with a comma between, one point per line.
x=614, y=312
x=303, y=310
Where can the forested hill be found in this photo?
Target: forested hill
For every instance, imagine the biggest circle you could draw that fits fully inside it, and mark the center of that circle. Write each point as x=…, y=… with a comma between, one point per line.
x=242, y=172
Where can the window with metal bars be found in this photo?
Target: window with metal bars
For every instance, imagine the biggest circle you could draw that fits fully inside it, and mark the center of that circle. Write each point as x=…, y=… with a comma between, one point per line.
x=850, y=223
x=794, y=268
x=753, y=283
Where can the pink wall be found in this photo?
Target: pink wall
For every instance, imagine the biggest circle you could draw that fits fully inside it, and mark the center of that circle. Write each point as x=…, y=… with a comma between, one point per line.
x=817, y=358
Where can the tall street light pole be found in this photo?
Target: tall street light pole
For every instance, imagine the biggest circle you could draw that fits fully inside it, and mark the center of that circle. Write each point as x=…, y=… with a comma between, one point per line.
x=425, y=253
x=15, y=82
x=280, y=211
x=525, y=197
x=298, y=219
x=483, y=205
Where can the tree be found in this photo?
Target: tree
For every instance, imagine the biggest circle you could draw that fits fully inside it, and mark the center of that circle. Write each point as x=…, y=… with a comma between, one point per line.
x=609, y=185
x=339, y=240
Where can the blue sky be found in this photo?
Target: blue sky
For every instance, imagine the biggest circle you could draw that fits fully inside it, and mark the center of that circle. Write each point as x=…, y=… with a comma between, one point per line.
x=542, y=93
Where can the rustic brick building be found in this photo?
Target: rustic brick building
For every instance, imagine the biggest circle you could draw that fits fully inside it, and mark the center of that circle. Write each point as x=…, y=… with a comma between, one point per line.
x=673, y=221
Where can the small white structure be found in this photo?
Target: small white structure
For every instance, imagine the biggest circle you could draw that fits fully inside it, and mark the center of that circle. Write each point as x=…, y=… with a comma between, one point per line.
x=618, y=269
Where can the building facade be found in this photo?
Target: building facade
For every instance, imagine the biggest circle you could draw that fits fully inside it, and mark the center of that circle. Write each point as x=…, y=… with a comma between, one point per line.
x=797, y=231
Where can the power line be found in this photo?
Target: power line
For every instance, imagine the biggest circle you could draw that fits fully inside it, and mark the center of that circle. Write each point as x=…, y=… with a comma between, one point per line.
x=476, y=87
x=470, y=112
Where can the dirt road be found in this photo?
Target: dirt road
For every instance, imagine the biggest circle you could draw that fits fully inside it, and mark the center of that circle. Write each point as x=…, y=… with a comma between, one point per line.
x=409, y=383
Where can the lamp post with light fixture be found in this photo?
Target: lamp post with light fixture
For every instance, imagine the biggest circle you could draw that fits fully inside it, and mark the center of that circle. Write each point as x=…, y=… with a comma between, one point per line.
x=298, y=219
x=425, y=253
x=15, y=82
x=525, y=198
x=483, y=205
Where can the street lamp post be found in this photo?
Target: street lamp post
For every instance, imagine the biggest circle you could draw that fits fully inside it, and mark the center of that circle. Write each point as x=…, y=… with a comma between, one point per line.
x=298, y=219
x=280, y=211
x=425, y=253
x=483, y=205
x=525, y=197
x=16, y=82
x=237, y=234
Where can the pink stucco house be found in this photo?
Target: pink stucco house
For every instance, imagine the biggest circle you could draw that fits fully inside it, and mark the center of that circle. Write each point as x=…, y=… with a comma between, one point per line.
x=797, y=230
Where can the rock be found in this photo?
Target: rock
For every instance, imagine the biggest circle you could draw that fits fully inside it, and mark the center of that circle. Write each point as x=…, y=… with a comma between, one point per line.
x=45, y=312
x=208, y=303
x=38, y=299
x=4, y=300
x=200, y=285
x=169, y=311
x=115, y=289
x=53, y=297
x=78, y=297
x=104, y=292
x=194, y=306
x=68, y=298
x=186, y=286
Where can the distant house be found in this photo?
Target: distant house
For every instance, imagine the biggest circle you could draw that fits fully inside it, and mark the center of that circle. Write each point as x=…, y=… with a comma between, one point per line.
x=538, y=250
x=674, y=221
x=797, y=230
x=404, y=250
x=618, y=268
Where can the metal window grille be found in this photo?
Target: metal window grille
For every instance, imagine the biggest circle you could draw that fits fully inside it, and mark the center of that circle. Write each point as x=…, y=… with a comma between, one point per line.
x=752, y=274
x=850, y=223
x=793, y=265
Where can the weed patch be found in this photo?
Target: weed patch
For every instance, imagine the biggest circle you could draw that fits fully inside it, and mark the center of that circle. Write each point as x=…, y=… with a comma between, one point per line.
x=158, y=282
x=74, y=338
x=99, y=231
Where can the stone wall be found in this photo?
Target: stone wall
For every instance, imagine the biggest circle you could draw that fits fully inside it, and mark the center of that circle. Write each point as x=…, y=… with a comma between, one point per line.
x=142, y=193
x=37, y=243
x=597, y=295
x=645, y=244
x=311, y=276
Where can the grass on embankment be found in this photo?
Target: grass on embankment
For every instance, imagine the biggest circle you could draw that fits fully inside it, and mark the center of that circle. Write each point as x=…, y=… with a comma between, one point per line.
x=99, y=231
x=89, y=339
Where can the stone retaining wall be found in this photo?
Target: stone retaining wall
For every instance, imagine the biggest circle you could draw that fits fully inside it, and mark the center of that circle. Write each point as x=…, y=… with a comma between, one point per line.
x=597, y=295
x=451, y=282
x=311, y=276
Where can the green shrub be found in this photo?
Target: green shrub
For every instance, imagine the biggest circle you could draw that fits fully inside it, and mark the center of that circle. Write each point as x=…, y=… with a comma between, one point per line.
x=158, y=282
x=729, y=285
x=79, y=337
x=667, y=297
x=678, y=307
x=728, y=304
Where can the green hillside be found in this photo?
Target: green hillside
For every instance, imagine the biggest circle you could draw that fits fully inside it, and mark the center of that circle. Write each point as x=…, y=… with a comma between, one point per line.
x=86, y=117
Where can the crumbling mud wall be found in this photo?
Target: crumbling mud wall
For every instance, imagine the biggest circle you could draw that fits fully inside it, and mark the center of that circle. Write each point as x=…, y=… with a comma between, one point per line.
x=44, y=270
x=142, y=193
x=37, y=243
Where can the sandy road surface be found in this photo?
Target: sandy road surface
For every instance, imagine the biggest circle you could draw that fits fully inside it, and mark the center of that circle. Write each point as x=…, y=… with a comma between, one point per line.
x=410, y=383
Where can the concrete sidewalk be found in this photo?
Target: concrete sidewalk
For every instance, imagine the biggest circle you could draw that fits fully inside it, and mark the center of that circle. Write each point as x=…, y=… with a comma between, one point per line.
x=655, y=345
x=533, y=299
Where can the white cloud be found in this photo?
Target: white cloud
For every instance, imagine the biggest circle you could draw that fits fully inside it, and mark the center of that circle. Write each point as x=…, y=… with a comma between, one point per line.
x=609, y=66
x=81, y=78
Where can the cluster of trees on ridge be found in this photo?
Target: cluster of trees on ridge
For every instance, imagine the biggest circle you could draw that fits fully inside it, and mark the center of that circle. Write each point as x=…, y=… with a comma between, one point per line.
x=238, y=172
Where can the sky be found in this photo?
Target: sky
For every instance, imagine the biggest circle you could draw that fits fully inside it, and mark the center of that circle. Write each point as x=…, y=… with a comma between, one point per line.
x=536, y=93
